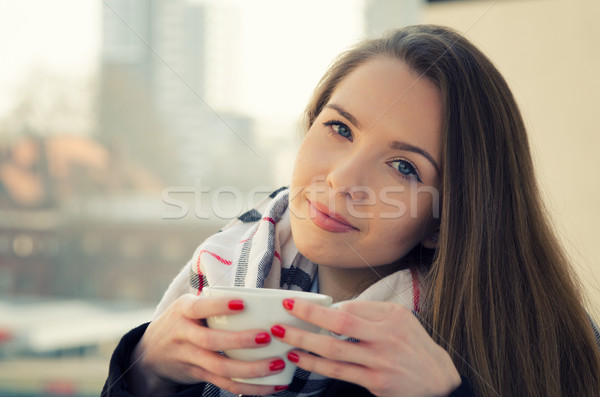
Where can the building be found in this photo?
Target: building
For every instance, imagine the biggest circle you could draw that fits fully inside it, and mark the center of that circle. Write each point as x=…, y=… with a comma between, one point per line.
x=156, y=67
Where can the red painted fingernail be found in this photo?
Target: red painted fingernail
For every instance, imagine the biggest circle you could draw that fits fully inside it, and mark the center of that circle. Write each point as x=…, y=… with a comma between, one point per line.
x=278, y=331
x=236, y=304
x=293, y=357
x=262, y=338
x=288, y=304
x=276, y=365
x=282, y=387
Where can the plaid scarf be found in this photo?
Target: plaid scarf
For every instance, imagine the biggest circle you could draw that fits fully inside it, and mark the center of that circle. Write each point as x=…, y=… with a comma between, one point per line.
x=257, y=250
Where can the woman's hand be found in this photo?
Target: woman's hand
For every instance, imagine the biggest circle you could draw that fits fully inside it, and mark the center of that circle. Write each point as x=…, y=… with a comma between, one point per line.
x=395, y=355
x=178, y=349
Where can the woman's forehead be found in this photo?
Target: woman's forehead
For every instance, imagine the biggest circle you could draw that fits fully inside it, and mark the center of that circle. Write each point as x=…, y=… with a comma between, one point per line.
x=385, y=94
x=386, y=78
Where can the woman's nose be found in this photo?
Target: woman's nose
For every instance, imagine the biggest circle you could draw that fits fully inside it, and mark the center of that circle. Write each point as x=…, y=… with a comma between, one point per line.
x=348, y=175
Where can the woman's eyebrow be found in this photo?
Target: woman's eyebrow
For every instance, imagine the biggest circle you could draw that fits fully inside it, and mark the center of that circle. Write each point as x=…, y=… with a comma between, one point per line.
x=398, y=145
x=344, y=113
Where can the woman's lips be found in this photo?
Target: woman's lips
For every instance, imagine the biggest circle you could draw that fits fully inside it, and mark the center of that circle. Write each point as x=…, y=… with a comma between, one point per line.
x=330, y=221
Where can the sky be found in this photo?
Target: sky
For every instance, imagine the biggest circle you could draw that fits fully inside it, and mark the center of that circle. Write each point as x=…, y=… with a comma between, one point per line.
x=58, y=36
x=283, y=50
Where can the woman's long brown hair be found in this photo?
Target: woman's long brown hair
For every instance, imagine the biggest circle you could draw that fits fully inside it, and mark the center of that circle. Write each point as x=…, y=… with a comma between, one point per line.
x=500, y=294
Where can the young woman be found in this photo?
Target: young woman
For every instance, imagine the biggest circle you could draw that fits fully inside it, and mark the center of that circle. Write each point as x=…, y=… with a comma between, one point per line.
x=414, y=200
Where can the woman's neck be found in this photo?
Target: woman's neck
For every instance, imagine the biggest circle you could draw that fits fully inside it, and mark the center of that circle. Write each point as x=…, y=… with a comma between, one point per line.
x=344, y=284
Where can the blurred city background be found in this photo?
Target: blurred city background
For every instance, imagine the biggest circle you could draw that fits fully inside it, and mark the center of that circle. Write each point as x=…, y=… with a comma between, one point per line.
x=130, y=130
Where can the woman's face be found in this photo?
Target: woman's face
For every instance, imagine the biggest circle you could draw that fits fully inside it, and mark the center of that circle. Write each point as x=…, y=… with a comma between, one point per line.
x=364, y=188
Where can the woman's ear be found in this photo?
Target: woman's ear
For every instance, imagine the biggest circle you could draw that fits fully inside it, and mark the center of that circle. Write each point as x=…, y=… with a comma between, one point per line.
x=431, y=241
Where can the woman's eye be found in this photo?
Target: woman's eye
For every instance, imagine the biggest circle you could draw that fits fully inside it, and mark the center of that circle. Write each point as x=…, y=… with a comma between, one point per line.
x=406, y=169
x=339, y=128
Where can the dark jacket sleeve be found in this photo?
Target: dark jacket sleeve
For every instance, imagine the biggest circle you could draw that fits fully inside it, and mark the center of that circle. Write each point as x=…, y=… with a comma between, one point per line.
x=345, y=389
x=464, y=390
x=116, y=382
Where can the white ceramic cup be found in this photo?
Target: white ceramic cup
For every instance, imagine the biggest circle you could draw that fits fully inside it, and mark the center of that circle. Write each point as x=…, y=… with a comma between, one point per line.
x=263, y=308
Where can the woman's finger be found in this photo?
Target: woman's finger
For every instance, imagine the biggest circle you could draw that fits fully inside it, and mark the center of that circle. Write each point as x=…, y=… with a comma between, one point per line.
x=202, y=307
x=326, y=346
x=191, y=309
x=230, y=368
x=333, y=319
x=215, y=340
x=241, y=388
x=334, y=369
x=367, y=310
